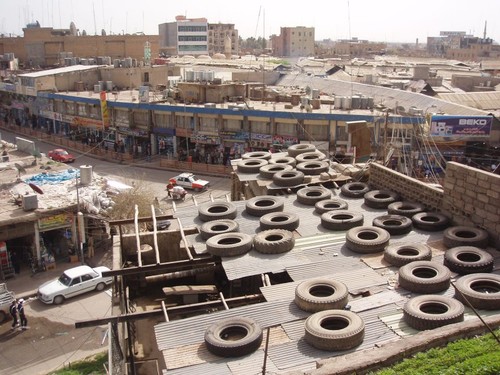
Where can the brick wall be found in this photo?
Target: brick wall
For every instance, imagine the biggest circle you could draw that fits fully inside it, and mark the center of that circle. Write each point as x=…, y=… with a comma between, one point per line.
x=469, y=197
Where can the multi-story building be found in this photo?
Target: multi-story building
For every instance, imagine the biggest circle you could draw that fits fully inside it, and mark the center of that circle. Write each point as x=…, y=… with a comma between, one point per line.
x=223, y=38
x=474, y=49
x=356, y=48
x=438, y=45
x=185, y=36
x=294, y=42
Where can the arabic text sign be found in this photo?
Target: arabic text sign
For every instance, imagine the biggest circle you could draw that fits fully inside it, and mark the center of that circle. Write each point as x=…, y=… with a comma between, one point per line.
x=460, y=126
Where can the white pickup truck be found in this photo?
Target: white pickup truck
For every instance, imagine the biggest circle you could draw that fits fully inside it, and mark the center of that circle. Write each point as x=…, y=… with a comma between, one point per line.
x=6, y=297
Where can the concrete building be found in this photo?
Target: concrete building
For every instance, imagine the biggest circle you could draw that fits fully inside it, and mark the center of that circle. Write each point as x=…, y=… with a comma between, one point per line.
x=185, y=36
x=294, y=42
x=358, y=48
x=223, y=38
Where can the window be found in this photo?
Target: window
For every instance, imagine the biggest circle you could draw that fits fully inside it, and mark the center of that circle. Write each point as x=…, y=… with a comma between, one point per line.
x=87, y=277
x=146, y=77
x=75, y=281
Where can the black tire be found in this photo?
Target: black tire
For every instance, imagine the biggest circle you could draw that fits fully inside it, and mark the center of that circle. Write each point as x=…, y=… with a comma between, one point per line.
x=334, y=204
x=367, y=240
x=481, y=290
x=288, y=178
x=313, y=168
x=334, y=330
x=432, y=311
x=274, y=241
x=229, y=244
x=468, y=259
x=100, y=287
x=399, y=254
x=284, y=160
x=321, y=294
x=430, y=221
x=341, y=220
x=280, y=220
x=354, y=189
x=216, y=211
x=250, y=165
x=58, y=300
x=233, y=337
x=465, y=236
x=394, y=224
x=404, y=208
x=380, y=198
x=312, y=194
x=257, y=155
x=300, y=148
x=3, y=316
x=215, y=227
x=424, y=277
x=310, y=156
x=259, y=206
x=268, y=171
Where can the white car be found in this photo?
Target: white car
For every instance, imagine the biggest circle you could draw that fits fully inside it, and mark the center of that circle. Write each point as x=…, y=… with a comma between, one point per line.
x=72, y=282
x=189, y=181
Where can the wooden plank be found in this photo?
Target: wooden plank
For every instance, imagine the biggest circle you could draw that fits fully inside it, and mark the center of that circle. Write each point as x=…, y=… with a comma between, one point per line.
x=189, y=289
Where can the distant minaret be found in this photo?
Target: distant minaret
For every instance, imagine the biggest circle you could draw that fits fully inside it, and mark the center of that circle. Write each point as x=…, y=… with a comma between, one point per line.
x=484, y=34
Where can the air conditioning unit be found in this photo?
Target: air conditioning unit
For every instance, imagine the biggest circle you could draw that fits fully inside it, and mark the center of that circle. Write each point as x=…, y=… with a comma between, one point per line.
x=30, y=202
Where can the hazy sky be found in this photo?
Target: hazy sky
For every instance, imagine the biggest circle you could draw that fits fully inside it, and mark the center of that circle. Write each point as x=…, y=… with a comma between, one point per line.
x=375, y=20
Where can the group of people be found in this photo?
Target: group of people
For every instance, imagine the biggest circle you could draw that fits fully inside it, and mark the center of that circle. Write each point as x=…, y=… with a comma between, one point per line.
x=18, y=315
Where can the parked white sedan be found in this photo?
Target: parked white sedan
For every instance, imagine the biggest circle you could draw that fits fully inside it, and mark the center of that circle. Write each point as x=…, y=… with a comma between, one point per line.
x=72, y=282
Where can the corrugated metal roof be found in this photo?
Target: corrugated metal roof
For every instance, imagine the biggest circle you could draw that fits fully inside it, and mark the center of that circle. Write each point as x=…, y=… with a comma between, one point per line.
x=489, y=100
x=64, y=69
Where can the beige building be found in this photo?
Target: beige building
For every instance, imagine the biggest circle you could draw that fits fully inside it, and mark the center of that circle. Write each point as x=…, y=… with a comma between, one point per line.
x=223, y=38
x=294, y=42
x=357, y=48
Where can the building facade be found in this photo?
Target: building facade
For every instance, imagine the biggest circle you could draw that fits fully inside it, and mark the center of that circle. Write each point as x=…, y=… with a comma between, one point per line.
x=185, y=36
x=358, y=48
x=294, y=42
x=223, y=38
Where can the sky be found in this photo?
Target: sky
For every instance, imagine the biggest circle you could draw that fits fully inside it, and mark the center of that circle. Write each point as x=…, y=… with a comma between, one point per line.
x=373, y=20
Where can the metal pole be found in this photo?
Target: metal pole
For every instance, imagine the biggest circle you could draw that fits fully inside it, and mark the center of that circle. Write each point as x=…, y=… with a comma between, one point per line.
x=78, y=239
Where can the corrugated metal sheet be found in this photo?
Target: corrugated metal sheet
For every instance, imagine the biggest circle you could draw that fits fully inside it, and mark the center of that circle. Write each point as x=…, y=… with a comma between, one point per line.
x=480, y=100
x=192, y=330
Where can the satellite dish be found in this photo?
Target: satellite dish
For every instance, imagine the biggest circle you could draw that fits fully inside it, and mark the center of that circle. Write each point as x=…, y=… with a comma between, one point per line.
x=35, y=188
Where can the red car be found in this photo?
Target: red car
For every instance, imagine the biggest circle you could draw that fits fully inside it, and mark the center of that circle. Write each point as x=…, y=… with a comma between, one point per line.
x=61, y=155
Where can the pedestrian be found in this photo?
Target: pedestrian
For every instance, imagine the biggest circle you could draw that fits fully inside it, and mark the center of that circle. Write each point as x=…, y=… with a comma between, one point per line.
x=13, y=313
x=170, y=186
x=22, y=316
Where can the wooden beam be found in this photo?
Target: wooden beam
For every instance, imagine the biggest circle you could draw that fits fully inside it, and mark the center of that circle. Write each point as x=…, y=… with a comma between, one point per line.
x=170, y=266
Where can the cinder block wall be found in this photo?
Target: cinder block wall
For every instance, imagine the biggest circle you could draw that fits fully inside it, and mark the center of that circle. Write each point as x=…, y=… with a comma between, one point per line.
x=472, y=198
x=408, y=188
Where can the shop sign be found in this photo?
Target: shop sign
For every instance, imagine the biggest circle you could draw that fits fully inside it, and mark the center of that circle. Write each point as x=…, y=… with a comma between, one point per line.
x=266, y=138
x=9, y=87
x=206, y=138
x=164, y=131
x=461, y=126
x=230, y=136
x=86, y=122
x=181, y=132
x=285, y=140
x=51, y=115
x=135, y=132
x=55, y=221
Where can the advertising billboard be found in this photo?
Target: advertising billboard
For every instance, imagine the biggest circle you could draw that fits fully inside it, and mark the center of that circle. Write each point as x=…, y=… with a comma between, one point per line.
x=461, y=126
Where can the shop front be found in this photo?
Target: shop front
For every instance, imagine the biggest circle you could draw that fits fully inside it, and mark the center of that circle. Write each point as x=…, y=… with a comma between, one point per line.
x=235, y=143
x=208, y=148
x=164, y=141
x=184, y=145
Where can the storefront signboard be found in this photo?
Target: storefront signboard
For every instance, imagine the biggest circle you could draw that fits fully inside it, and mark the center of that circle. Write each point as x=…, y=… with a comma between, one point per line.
x=55, y=221
x=461, y=126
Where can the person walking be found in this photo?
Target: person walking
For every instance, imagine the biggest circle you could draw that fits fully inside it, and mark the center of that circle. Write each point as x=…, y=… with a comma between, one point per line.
x=22, y=316
x=13, y=313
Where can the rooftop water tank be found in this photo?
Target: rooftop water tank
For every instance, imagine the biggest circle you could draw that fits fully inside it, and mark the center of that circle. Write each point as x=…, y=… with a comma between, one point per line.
x=85, y=174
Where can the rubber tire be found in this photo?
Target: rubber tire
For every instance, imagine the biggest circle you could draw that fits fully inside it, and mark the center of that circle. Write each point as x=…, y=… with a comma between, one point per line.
x=100, y=287
x=469, y=284
x=288, y=178
x=310, y=156
x=312, y=194
x=215, y=227
x=468, y=259
x=354, y=189
x=284, y=160
x=327, y=205
x=321, y=294
x=280, y=220
x=405, y=208
x=264, y=204
x=300, y=148
x=430, y=221
x=268, y=171
x=376, y=239
x=229, y=244
x=424, y=277
x=341, y=220
x=216, y=211
x=399, y=254
x=313, y=168
x=58, y=300
x=249, y=343
x=380, y=198
x=257, y=155
x=465, y=236
x=350, y=335
x=250, y=165
x=432, y=311
x=394, y=224
x=273, y=241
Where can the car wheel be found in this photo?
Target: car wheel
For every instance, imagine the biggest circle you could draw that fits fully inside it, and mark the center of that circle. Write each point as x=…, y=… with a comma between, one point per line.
x=424, y=277
x=468, y=259
x=279, y=220
x=354, y=189
x=310, y=156
x=380, y=198
x=429, y=311
x=300, y=148
x=399, y=254
x=100, y=287
x=404, y=208
x=58, y=300
x=288, y=178
x=430, y=221
x=465, y=236
x=264, y=204
x=394, y=224
x=313, y=168
x=229, y=244
x=3, y=316
x=321, y=294
x=312, y=194
x=273, y=241
x=479, y=290
x=215, y=227
x=367, y=240
x=330, y=205
x=284, y=160
x=216, y=211
x=341, y=220
x=250, y=165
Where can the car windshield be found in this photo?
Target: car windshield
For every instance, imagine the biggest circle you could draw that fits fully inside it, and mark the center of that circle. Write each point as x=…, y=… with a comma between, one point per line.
x=65, y=279
x=63, y=152
x=194, y=178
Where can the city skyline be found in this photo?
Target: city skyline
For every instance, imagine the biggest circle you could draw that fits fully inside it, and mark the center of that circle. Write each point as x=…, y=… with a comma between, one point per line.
x=382, y=21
